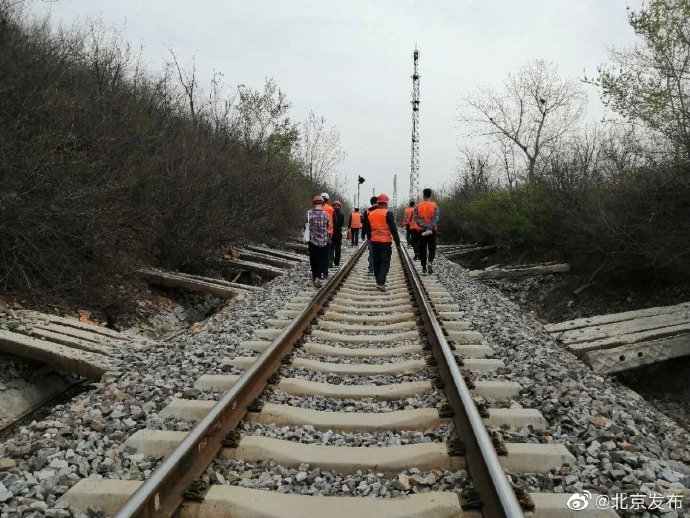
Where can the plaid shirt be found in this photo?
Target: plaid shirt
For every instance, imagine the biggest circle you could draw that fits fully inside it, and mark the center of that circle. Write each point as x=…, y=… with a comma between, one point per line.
x=318, y=227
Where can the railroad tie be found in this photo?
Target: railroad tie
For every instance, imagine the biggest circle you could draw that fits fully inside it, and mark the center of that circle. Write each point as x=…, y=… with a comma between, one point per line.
x=353, y=332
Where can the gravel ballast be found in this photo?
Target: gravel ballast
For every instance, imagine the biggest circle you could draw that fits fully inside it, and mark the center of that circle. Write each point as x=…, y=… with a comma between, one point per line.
x=621, y=443
x=85, y=437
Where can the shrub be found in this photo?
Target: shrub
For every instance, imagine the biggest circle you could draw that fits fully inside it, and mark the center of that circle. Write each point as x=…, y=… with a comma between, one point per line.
x=632, y=223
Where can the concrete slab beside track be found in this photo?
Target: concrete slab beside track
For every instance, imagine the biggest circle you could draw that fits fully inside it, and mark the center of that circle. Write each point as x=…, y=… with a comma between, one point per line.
x=622, y=341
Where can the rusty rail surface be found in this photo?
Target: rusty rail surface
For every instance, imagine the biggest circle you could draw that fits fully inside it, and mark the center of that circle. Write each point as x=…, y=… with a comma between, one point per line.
x=498, y=497
x=163, y=492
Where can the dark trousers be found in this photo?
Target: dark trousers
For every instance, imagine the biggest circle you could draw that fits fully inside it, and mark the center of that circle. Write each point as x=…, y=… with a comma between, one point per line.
x=382, y=261
x=408, y=235
x=371, y=257
x=414, y=237
x=330, y=251
x=337, y=244
x=355, y=236
x=427, y=244
x=318, y=259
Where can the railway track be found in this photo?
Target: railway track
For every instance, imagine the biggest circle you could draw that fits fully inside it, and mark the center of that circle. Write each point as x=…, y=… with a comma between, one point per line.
x=402, y=362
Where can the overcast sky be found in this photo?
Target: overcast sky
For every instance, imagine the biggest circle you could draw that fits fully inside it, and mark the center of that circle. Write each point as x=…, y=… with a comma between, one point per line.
x=350, y=61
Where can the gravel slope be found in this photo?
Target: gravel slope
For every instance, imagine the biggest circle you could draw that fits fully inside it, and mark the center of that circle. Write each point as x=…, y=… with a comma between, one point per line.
x=622, y=444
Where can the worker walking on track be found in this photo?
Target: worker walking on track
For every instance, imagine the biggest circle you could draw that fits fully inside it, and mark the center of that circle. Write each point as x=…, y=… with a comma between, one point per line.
x=318, y=223
x=355, y=226
x=382, y=231
x=366, y=233
x=415, y=230
x=338, y=223
x=328, y=208
x=426, y=215
x=407, y=219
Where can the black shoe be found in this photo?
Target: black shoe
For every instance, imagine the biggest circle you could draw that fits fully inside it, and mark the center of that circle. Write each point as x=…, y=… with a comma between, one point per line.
x=414, y=258
x=381, y=287
x=424, y=271
x=431, y=268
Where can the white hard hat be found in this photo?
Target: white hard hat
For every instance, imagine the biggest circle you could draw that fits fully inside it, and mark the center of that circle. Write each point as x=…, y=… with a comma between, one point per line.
x=325, y=195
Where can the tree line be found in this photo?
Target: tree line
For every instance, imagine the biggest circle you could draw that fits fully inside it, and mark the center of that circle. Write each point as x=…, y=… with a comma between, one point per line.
x=613, y=197
x=105, y=166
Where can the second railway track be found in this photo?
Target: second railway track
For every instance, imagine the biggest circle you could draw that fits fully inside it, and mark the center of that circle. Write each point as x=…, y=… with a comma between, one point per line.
x=410, y=390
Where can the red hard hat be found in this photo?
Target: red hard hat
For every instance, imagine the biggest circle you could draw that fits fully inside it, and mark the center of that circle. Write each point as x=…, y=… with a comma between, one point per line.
x=337, y=202
x=317, y=199
x=383, y=198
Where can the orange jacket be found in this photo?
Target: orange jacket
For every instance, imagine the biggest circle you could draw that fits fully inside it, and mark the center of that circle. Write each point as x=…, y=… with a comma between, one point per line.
x=413, y=223
x=329, y=210
x=356, y=220
x=380, y=231
x=425, y=211
x=408, y=216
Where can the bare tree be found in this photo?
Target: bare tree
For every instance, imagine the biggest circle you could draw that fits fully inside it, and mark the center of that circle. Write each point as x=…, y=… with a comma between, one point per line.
x=476, y=170
x=508, y=158
x=650, y=81
x=534, y=112
x=189, y=83
x=319, y=149
x=261, y=117
x=220, y=105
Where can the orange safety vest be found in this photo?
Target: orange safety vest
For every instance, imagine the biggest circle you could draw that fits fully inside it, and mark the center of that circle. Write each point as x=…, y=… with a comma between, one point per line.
x=356, y=220
x=425, y=211
x=380, y=231
x=329, y=210
x=408, y=216
x=413, y=223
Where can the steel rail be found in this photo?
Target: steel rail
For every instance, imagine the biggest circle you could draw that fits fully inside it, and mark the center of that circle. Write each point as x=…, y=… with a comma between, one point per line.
x=498, y=497
x=163, y=492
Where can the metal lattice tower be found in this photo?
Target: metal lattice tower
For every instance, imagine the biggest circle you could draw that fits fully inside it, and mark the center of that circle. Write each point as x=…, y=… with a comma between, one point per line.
x=414, y=163
x=394, y=205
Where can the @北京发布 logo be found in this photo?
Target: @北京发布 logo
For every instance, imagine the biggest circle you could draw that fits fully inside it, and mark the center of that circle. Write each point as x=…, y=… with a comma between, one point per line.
x=622, y=501
x=579, y=501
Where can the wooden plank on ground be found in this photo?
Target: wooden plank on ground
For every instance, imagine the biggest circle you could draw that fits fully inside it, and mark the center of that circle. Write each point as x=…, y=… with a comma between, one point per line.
x=234, y=285
x=83, y=363
x=451, y=249
x=469, y=251
x=174, y=280
x=615, y=329
x=615, y=317
x=636, y=355
x=71, y=331
x=457, y=245
x=500, y=273
x=73, y=322
x=299, y=247
x=71, y=341
x=262, y=269
x=281, y=254
x=630, y=338
x=251, y=255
